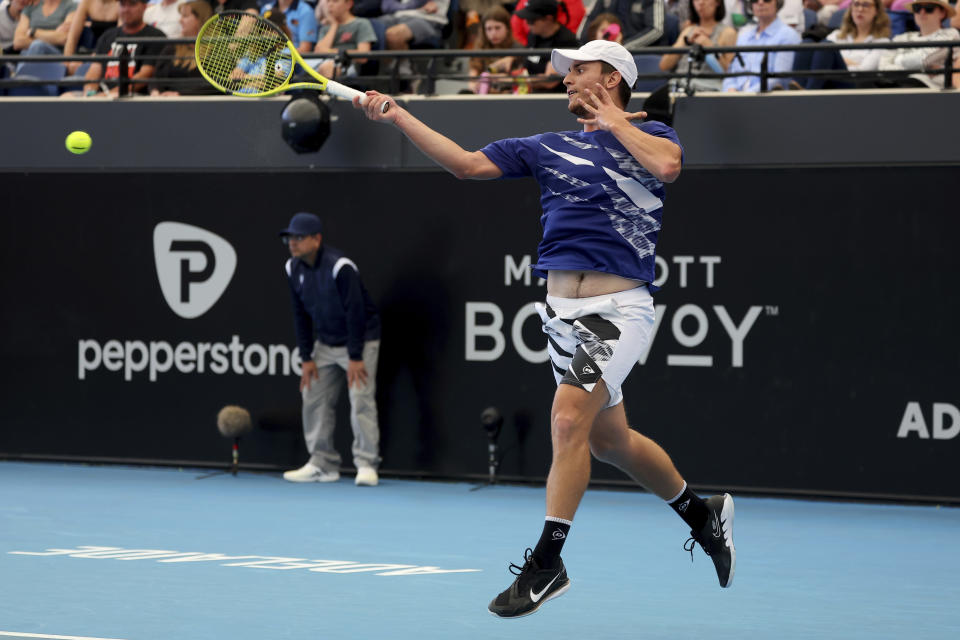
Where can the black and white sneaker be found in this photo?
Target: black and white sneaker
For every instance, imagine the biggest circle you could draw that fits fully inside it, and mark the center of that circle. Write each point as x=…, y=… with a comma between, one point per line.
x=532, y=588
x=716, y=538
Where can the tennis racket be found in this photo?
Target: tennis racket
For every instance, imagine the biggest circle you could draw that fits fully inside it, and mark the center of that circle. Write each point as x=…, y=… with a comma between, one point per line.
x=245, y=55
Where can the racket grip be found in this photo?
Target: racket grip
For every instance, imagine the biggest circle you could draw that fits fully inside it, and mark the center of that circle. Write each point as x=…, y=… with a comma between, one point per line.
x=342, y=91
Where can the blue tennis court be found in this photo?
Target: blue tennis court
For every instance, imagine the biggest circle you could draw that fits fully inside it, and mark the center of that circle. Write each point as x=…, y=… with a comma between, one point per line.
x=138, y=553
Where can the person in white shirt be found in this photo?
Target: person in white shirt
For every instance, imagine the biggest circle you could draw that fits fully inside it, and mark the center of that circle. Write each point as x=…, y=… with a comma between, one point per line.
x=865, y=21
x=165, y=15
x=929, y=16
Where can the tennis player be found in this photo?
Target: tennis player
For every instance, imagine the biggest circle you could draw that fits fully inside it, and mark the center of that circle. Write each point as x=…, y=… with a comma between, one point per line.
x=602, y=198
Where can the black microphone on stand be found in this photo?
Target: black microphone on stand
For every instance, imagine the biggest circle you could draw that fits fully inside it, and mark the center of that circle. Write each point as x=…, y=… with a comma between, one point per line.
x=491, y=421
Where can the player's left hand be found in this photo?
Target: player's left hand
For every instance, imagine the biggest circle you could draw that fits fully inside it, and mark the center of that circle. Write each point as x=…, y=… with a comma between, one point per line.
x=605, y=113
x=356, y=373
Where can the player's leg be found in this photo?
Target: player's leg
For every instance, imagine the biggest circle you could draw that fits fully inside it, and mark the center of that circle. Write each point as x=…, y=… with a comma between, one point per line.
x=710, y=520
x=543, y=576
x=364, y=421
x=613, y=442
x=571, y=417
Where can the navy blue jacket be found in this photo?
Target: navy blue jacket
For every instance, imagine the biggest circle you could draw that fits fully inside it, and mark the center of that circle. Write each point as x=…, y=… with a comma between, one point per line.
x=331, y=303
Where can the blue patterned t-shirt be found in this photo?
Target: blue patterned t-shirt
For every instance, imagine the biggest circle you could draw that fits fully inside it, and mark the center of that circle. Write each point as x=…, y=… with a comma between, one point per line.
x=601, y=209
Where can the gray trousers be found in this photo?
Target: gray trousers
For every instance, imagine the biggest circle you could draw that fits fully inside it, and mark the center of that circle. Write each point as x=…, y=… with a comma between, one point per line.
x=319, y=407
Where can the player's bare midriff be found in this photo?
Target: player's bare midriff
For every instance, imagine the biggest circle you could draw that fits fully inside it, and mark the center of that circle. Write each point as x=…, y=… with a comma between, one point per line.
x=586, y=284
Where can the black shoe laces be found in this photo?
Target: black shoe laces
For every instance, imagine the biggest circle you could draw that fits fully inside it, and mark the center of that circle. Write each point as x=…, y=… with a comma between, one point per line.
x=527, y=561
x=691, y=543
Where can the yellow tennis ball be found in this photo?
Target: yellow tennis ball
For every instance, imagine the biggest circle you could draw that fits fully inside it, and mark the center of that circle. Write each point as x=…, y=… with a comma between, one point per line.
x=78, y=142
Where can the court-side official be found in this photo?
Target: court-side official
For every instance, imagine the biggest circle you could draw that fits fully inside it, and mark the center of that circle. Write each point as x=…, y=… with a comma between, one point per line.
x=338, y=333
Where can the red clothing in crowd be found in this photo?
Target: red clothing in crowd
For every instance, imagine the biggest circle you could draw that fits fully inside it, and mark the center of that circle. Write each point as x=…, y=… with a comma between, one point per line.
x=570, y=15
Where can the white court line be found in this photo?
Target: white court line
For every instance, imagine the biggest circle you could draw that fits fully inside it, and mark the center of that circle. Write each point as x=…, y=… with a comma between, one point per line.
x=17, y=634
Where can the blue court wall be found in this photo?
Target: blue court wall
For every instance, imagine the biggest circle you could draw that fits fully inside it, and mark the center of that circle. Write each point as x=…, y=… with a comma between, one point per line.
x=806, y=341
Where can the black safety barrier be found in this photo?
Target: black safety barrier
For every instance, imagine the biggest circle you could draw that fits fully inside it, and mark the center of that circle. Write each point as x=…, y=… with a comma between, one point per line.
x=432, y=74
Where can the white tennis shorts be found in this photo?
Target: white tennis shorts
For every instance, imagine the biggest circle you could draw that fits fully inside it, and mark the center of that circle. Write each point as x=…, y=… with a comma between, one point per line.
x=598, y=337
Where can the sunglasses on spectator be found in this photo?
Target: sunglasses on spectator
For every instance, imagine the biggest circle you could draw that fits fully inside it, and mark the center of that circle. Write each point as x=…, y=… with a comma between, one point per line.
x=925, y=8
x=287, y=238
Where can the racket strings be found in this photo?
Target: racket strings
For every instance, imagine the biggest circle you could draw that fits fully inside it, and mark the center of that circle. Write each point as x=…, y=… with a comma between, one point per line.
x=242, y=53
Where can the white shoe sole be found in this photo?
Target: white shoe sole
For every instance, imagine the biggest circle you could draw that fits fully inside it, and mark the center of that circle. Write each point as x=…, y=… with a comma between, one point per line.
x=313, y=478
x=727, y=514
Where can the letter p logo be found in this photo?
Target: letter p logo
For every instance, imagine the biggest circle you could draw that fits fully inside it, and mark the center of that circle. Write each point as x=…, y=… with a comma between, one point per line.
x=194, y=267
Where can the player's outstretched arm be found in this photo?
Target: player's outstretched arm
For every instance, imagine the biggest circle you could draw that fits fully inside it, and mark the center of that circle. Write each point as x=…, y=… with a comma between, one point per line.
x=445, y=152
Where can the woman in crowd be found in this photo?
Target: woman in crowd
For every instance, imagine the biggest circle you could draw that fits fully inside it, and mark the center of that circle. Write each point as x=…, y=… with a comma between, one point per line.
x=706, y=29
x=865, y=21
x=495, y=34
x=606, y=26
x=92, y=18
x=179, y=61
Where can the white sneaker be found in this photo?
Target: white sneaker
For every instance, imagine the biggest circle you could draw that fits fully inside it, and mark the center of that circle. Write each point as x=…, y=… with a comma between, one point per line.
x=366, y=477
x=311, y=473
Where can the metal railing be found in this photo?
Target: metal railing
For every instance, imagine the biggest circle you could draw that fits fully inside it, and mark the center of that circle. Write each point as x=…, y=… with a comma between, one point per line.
x=427, y=77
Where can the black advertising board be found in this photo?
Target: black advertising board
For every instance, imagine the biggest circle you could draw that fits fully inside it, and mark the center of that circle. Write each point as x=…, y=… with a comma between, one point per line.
x=805, y=341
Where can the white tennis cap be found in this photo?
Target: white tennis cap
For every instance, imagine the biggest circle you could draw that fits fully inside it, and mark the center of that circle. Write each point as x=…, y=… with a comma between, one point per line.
x=604, y=50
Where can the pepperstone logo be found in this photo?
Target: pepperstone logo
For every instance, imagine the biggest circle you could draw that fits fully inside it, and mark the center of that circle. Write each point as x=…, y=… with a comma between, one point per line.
x=194, y=267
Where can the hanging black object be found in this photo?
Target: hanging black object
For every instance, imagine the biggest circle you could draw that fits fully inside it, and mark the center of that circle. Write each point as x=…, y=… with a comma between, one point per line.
x=305, y=122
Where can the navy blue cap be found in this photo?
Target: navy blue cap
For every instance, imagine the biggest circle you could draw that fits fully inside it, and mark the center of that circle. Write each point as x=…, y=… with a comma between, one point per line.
x=303, y=224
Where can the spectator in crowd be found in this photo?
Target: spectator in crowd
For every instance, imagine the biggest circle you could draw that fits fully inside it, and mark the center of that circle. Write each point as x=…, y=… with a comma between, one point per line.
x=496, y=34
x=361, y=9
x=570, y=13
x=866, y=21
x=250, y=6
x=142, y=62
x=417, y=23
x=10, y=12
x=92, y=19
x=165, y=15
x=338, y=334
x=179, y=60
x=343, y=31
x=739, y=13
x=706, y=29
x=252, y=67
x=929, y=16
x=300, y=20
x=769, y=30
x=43, y=27
x=643, y=20
x=606, y=26
x=545, y=33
